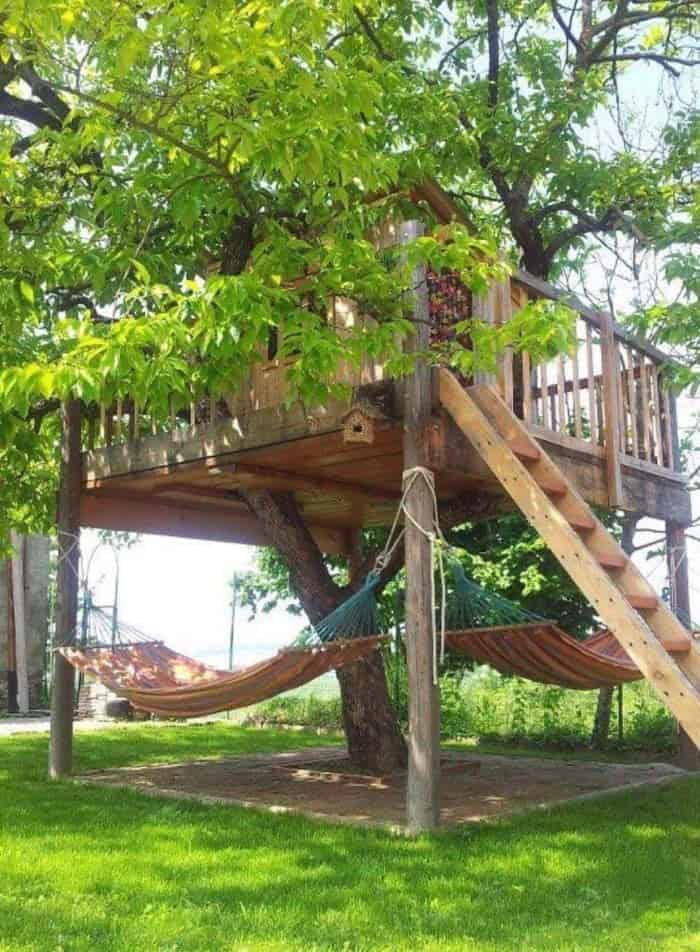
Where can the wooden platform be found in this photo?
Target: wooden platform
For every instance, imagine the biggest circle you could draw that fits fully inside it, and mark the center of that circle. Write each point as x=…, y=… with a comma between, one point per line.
x=185, y=482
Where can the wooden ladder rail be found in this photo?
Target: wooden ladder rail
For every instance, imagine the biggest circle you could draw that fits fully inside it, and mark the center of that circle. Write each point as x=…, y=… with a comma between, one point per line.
x=656, y=641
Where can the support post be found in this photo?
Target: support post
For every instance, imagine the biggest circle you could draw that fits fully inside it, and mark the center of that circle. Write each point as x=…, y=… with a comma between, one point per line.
x=68, y=524
x=19, y=604
x=677, y=558
x=422, y=791
x=611, y=404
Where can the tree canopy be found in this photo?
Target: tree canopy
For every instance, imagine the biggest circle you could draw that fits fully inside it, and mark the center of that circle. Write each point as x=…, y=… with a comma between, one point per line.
x=179, y=177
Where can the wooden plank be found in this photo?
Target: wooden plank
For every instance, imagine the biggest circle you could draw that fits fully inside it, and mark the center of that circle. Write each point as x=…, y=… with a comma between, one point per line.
x=547, y=420
x=578, y=421
x=643, y=644
x=612, y=413
x=423, y=782
x=126, y=512
x=17, y=567
x=592, y=403
x=118, y=429
x=316, y=484
x=658, y=445
x=484, y=310
x=622, y=412
x=679, y=583
x=67, y=574
x=561, y=394
x=668, y=424
x=646, y=410
x=103, y=424
x=632, y=398
x=527, y=387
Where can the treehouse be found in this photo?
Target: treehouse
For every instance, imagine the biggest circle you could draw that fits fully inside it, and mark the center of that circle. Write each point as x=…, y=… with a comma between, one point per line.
x=604, y=413
x=593, y=428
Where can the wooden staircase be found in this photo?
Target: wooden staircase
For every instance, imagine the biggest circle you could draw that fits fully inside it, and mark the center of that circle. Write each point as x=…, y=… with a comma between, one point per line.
x=648, y=631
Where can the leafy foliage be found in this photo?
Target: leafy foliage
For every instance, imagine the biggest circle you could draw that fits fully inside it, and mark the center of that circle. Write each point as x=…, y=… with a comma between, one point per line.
x=177, y=179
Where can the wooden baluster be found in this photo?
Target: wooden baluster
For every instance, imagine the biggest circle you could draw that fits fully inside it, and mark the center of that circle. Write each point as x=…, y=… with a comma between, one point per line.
x=527, y=387
x=193, y=414
x=576, y=383
x=590, y=373
x=134, y=421
x=611, y=390
x=546, y=408
x=668, y=422
x=212, y=411
x=118, y=426
x=656, y=417
x=632, y=399
x=646, y=414
x=103, y=425
x=502, y=313
x=91, y=431
x=109, y=426
x=508, y=382
x=622, y=424
x=561, y=394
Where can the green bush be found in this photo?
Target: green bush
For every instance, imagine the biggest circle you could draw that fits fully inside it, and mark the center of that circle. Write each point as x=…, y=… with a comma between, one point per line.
x=485, y=705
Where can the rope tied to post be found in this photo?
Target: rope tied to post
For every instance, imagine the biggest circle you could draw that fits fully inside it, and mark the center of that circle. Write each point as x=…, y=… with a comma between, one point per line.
x=438, y=546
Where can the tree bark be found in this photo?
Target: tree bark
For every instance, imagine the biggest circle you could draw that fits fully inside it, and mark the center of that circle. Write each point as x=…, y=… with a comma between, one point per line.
x=62, y=687
x=601, y=725
x=374, y=738
x=373, y=735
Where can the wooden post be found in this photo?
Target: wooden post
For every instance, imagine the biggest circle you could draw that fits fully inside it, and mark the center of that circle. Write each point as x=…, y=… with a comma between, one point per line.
x=422, y=791
x=18, y=605
x=611, y=375
x=677, y=558
x=68, y=524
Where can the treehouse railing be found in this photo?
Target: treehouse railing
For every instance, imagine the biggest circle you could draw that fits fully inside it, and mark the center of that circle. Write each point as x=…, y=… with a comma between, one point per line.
x=608, y=398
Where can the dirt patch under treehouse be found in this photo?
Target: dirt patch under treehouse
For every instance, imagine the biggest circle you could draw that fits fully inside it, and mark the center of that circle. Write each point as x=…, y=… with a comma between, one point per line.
x=323, y=784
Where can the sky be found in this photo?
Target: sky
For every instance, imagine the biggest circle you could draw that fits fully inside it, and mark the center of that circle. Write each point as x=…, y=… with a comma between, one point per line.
x=179, y=590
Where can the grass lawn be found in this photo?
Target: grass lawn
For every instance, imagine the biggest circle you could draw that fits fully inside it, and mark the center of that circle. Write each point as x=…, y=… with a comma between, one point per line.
x=83, y=868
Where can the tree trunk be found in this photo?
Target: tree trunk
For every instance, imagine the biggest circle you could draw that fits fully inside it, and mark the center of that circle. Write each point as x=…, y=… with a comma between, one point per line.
x=601, y=726
x=374, y=739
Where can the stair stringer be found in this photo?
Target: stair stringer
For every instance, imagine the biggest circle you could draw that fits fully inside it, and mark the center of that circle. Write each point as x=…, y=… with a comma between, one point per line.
x=677, y=688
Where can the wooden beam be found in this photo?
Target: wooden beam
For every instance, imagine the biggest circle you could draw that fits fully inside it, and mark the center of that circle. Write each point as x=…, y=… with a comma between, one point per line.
x=131, y=512
x=423, y=785
x=611, y=374
x=677, y=559
x=68, y=525
x=313, y=484
x=18, y=607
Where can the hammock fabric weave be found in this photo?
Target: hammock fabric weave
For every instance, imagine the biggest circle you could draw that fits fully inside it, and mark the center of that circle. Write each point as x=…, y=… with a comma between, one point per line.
x=543, y=652
x=155, y=679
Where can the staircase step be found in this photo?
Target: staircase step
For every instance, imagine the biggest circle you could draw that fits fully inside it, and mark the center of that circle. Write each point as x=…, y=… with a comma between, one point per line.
x=524, y=449
x=643, y=602
x=611, y=560
x=582, y=523
x=552, y=486
x=679, y=646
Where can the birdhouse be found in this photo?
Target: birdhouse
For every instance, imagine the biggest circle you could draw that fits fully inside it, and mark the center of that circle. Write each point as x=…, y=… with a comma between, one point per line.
x=359, y=423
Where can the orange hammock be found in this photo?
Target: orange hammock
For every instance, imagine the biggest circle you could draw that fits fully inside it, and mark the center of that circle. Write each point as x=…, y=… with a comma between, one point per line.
x=542, y=652
x=166, y=683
